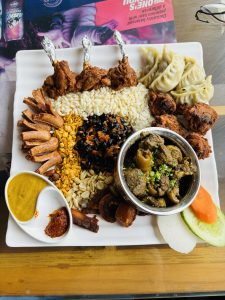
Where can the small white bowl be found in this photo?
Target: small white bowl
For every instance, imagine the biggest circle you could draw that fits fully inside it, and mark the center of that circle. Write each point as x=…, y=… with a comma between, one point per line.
x=35, y=227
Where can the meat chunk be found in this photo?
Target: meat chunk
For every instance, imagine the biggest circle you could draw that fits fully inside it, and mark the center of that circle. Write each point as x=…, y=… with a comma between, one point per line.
x=200, y=117
x=80, y=219
x=155, y=202
x=151, y=141
x=171, y=122
x=92, y=78
x=136, y=181
x=160, y=103
x=164, y=156
x=123, y=75
x=61, y=82
x=199, y=144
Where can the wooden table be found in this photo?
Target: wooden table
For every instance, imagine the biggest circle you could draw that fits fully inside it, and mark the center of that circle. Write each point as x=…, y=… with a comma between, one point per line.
x=150, y=270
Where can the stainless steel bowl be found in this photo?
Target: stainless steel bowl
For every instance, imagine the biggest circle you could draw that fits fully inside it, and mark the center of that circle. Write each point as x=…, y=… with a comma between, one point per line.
x=187, y=150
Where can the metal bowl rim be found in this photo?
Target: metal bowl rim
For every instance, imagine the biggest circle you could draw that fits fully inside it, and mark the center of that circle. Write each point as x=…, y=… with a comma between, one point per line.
x=185, y=202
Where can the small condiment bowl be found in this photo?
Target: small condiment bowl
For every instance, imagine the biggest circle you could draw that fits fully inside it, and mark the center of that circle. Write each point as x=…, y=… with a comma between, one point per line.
x=35, y=227
x=186, y=148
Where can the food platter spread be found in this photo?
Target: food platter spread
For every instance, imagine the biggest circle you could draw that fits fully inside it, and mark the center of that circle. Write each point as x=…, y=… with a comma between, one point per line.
x=32, y=69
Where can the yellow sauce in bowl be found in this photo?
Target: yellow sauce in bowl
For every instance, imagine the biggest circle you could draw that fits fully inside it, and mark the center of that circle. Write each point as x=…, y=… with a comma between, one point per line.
x=22, y=192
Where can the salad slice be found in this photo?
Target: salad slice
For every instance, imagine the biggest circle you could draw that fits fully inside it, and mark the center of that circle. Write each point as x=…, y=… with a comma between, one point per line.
x=213, y=233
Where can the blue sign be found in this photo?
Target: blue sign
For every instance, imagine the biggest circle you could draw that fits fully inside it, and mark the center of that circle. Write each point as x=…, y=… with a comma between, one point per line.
x=38, y=8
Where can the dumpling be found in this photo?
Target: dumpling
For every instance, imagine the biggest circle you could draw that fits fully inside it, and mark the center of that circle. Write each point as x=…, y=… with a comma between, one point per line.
x=152, y=57
x=200, y=93
x=193, y=74
x=165, y=60
x=168, y=78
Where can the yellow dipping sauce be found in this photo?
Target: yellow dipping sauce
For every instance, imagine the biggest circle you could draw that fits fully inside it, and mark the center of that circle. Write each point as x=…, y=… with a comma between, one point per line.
x=23, y=191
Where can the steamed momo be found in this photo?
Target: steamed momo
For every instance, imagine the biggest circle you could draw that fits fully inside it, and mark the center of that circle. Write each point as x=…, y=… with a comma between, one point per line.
x=152, y=57
x=168, y=78
x=201, y=93
x=193, y=74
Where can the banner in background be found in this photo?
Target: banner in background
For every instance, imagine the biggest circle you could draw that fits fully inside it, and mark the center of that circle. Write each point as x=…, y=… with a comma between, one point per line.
x=23, y=23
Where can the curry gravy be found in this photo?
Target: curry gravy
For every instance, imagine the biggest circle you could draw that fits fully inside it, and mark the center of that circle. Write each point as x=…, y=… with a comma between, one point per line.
x=23, y=191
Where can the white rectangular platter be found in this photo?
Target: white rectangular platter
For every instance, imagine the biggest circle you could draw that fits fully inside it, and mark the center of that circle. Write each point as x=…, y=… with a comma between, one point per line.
x=32, y=68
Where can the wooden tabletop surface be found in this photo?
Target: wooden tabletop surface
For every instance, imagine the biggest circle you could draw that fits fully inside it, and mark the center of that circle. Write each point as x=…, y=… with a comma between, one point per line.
x=129, y=270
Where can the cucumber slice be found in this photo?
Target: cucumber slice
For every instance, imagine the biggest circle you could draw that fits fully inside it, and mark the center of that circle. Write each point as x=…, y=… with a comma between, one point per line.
x=214, y=234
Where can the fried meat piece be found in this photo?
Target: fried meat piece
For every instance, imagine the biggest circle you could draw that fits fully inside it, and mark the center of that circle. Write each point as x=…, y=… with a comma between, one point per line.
x=61, y=82
x=199, y=144
x=200, y=117
x=125, y=214
x=161, y=103
x=84, y=221
x=171, y=122
x=181, y=108
x=92, y=78
x=123, y=75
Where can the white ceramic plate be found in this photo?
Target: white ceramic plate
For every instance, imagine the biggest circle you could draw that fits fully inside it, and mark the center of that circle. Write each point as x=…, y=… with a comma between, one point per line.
x=32, y=68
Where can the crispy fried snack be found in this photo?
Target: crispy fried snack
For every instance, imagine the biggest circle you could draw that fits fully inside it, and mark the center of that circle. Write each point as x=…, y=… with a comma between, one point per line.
x=41, y=135
x=171, y=122
x=46, y=147
x=49, y=119
x=199, y=144
x=200, y=117
x=26, y=125
x=57, y=159
x=161, y=103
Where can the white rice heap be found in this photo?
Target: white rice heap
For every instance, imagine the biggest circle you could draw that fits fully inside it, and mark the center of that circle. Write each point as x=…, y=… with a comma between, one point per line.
x=131, y=103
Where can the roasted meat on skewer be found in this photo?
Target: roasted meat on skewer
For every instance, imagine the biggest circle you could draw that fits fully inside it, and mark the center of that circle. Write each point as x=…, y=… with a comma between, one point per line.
x=123, y=75
x=92, y=78
x=62, y=82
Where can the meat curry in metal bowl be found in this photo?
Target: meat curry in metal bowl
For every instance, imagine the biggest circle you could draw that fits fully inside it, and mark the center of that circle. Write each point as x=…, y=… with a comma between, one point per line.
x=158, y=171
